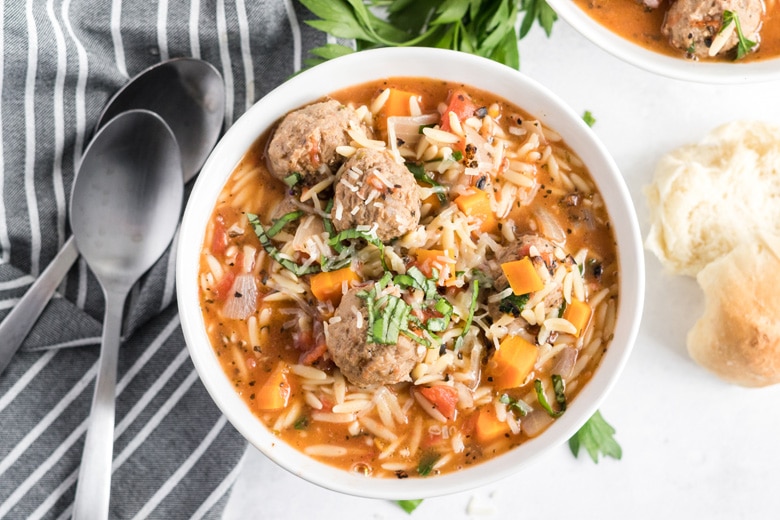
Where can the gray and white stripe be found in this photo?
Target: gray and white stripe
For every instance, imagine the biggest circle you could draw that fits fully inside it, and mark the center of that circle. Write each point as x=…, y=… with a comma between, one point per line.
x=60, y=61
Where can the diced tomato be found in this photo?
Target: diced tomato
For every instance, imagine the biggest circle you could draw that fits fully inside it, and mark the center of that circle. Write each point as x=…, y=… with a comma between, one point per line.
x=219, y=237
x=222, y=289
x=443, y=398
x=311, y=344
x=461, y=104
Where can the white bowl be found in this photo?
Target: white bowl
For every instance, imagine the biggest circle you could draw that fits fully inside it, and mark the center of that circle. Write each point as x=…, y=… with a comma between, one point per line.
x=356, y=69
x=669, y=66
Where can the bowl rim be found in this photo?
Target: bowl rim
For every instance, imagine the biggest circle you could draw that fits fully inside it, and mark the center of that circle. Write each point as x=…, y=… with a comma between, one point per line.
x=470, y=70
x=676, y=68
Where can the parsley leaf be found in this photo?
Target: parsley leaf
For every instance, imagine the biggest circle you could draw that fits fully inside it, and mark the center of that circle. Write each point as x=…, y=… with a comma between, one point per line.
x=409, y=505
x=483, y=27
x=743, y=44
x=597, y=437
x=588, y=118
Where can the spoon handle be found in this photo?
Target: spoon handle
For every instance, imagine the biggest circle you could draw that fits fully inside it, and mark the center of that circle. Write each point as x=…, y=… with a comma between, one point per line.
x=94, y=482
x=17, y=324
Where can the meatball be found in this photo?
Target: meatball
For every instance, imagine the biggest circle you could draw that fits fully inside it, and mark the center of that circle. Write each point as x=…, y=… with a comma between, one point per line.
x=543, y=259
x=306, y=141
x=691, y=25
x=374, y=189
x=363, y=363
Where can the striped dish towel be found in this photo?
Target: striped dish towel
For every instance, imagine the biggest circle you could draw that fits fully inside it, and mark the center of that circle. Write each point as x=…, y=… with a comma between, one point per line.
x=175, y=456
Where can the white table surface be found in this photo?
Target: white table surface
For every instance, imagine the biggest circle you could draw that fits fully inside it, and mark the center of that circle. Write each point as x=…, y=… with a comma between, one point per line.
x=693, y=446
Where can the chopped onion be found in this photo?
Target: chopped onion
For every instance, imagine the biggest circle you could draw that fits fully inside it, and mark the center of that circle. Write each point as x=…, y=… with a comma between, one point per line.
x=565, y=362
x=407, y=129
x=535, y=422
x=242, y=300
x=550, y=227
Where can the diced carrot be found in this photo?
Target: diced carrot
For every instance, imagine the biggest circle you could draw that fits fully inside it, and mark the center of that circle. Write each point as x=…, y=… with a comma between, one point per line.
x=461, y=104
x=328, y=285
x=512, y=362
x=477, y=205
x=397, y=103
x=432, y=199
x=426, y=258
x=443, y=398
x=488, y=427
x=522, y=276
x=275, y=391
x=578, y=313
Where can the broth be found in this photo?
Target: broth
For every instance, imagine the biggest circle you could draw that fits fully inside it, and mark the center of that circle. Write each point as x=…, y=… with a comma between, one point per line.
x=633, y=21
x=458, y=404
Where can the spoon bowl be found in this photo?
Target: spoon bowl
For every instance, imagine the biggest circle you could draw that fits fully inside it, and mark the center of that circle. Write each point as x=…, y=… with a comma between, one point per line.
x=124, y=211
x=189, y=95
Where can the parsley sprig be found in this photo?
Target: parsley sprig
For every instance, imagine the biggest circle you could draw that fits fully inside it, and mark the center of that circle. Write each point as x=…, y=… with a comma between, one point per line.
x=597, y=437
x=483, y=27
x=744, y=45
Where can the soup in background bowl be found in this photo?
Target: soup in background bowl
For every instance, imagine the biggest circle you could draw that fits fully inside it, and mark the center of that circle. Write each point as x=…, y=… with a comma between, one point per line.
x=632, y=31
x=409, y=272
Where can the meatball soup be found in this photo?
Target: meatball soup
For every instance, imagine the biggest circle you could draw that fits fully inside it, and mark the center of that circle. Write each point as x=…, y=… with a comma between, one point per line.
x=409, y=277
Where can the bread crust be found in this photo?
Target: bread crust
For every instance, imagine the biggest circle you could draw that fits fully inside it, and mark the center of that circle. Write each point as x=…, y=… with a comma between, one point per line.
x=738, y=336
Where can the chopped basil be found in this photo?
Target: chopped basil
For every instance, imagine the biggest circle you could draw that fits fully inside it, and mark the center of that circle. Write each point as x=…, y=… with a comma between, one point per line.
x=470, y=317
x=419, y=174
x=273, y=251
x=422, y=127
x=351, y=234
x=744, y=45
x=302, y=423
x=329, y=229
x=293, y=179
x=457, y=155
x=415, y=279
x=282, y=221
x=427, y=462
x=560, y=396
x=513, y=304
x=518, y=405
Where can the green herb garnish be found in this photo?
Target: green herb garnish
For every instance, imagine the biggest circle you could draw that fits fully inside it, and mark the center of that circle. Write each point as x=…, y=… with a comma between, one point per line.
x=457, y=155
x=518, y=405
x=351, y=234
x=588, y=118
x=743, y=44
x=419, y=174
x=273, y=251
x=560, y=396
x=483, y=27
x=415, y=279
x=409, y=505
x=513, y=304
x=282, y=221
x=470, y=317
x=427, y=462
x=293, y=179
x=302, y=423
x=597, y=436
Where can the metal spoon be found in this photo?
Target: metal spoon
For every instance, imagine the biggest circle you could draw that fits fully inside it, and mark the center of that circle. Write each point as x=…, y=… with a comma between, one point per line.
x=124, y=211
x=189, y=95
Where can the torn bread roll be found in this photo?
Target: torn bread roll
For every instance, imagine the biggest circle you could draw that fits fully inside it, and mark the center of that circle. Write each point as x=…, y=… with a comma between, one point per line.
x=708, y=197
x=738, y=336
